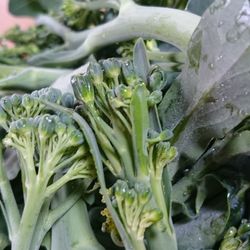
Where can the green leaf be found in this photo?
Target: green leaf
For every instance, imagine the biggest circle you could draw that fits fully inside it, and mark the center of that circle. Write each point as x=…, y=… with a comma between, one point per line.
x=225, y=153
x=164, y=3
x=198, y=6
x=213, y=90
x=32, y=7
x=221, y=212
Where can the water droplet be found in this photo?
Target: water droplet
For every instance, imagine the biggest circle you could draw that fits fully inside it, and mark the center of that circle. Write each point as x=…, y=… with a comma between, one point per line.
x=242, y=23
x=217, y=5
x=242, y=112
x=219, y=58
x=186, y=171
x=233, y=35
x=222, y=85
x=211, y=66
x=185, y=193
x=210, y=99
x=220, y=24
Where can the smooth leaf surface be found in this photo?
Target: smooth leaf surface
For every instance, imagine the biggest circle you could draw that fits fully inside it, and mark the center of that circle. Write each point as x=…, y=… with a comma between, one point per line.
x=32, y=7
x=198, y=6
x=212, y=93
x=214, y=218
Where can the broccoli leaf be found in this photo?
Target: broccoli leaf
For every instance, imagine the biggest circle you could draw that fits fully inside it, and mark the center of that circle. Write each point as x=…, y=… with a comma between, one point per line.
x=198, y=6
x=31, y=7
x=215, y=217
x=213, y=90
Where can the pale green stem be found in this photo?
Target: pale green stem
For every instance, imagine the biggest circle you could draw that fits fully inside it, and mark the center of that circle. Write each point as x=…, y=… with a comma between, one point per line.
x=165, y=24
x=23, y=238
x=159, y=196
x=137, y=244
x=94, y=150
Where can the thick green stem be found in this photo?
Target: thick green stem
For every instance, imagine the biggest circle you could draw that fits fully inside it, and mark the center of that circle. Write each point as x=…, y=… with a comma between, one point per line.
x=23, y=238
x=165, y=24
x=159, y=239
x=162, y=234
x=9, y=202
x=99, y=4
x=14, y=78
x=159, y=196
x=137, y=244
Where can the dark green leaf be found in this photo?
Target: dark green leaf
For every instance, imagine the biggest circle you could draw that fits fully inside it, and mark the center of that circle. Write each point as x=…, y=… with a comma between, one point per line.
x=32, y=7
x=198, y=6
x=213, y=90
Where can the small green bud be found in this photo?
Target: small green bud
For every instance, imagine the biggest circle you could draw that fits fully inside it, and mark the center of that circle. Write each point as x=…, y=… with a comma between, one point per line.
x=143, y=192
x=96, y=73
x=53, y=95
x=68, y=100
x=35, y=94
x=27, y=102
x=16, y=100
x=129, y=74
x=231, y=232
x=82, y=151
x=112, y=67
x=151, y=216
x=83, y=88
x=123, y=92
x=130, y=197
x=121, y=188
x=66, y=119
x=6, y=104
x=244, y=228
x=75, y=138
x=22, y=127
x=171, y=154
x=157, y=79
x=230, y=244
x=154, y=98
x=60, y=129
x=46, y=126
x=147, y=219
x=163, y=155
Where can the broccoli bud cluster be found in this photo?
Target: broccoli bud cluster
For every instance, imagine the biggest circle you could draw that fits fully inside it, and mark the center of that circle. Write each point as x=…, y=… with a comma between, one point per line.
x=134, y=209
x=16, y=106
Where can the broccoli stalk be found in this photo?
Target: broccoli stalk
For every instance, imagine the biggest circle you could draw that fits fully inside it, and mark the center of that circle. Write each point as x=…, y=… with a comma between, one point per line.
x=117, y=104
x=165, y=24
x=47, y=146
